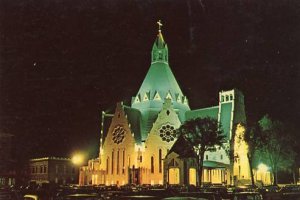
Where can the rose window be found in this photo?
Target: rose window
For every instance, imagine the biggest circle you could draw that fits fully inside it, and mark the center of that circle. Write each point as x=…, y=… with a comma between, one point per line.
x=167, y=133
x=118, y=134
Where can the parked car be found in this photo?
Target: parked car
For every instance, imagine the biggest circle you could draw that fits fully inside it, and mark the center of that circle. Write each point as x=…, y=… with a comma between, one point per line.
x=8, y=194
x=82, y=197
x=247, y=196
x=201, y=195
x=30, y=197
x=290, y=192
x=271, y=188
x=290, y=188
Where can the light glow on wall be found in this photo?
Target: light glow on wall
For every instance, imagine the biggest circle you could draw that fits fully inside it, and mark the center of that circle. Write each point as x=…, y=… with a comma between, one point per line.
x=241, y=163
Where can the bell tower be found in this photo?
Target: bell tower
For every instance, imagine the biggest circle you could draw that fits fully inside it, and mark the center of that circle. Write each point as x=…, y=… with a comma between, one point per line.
x=160, y=48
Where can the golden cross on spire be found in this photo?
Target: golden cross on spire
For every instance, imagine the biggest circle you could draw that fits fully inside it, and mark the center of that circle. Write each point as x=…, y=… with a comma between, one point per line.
x=159, y=25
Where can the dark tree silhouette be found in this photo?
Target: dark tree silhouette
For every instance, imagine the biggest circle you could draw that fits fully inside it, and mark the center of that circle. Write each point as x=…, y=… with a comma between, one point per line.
x=255, y=142
x=277, y=146
x=203, y=134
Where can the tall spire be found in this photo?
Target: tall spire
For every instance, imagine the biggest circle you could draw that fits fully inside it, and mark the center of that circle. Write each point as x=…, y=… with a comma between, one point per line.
x=160, y=48
x=160, y=82
x=159, y=25
x=160, y=38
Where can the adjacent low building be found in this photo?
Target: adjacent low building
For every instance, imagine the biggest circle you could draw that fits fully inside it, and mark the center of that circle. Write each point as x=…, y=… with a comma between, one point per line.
x=53, y=170
x=7, y=163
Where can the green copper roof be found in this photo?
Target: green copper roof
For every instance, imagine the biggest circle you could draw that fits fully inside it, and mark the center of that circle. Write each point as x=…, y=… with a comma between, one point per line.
x=214, y=164
x=182, y=148
x=204, y=112
x=226, y=117
x=134, y=119
x=161, y=79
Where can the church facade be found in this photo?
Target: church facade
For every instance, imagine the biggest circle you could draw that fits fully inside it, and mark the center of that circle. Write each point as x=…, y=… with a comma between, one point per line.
x=136, y=138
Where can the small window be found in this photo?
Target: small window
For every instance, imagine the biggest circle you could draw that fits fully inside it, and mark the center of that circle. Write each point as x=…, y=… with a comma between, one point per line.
x=231, y=97
x=107, y=161
x=227, y=98
x=152, y=164
x=168, y=112
x=141, y=158
x=222, y=98
x=221, y=157
x=206, y=157
x=160, y=56
x=160, y=161
x=112, y=162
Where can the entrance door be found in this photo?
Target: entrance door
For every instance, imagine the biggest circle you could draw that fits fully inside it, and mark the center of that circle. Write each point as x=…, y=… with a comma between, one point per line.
x=174, y=176
x=192, y=176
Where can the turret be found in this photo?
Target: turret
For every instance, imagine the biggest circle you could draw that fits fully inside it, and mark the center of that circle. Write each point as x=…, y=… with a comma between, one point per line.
x=160, y=48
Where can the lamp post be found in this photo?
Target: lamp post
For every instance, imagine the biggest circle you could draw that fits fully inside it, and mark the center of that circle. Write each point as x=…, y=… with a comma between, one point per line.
x=77, y=159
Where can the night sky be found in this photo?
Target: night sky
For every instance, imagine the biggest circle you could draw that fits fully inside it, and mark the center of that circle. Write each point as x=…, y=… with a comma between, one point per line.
x=64, y=61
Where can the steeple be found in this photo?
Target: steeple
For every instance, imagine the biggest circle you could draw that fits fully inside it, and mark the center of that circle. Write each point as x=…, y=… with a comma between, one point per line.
x=160, y=48
x=159, y=86
x=160, y=82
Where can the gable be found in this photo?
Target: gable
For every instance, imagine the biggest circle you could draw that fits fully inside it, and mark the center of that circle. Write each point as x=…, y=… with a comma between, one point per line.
x=135, y=122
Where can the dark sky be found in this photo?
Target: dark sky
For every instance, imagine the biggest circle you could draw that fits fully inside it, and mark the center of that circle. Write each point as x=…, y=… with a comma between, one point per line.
x=62, y=62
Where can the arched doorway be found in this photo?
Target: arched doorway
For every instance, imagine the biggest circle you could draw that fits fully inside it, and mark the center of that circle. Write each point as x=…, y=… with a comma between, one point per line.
x=174, y=176
x=192, y=176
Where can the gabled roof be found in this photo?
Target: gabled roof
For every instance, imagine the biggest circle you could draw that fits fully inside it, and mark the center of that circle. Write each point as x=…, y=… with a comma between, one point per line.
x=134, y=119
x=204, y=112
x=182, y=148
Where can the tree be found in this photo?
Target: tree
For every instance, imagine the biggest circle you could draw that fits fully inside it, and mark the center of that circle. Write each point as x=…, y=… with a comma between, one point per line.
x=255, y=141
x=203, y=134
x=277, y=145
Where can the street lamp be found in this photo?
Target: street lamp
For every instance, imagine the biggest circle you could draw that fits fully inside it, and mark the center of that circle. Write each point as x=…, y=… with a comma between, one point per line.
x=77, y=159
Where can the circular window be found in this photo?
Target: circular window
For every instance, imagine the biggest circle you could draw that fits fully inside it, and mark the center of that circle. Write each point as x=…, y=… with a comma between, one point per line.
x=118, y=134
x=167, y=133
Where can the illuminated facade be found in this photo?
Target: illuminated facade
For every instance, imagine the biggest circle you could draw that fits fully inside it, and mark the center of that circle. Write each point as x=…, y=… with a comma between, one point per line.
x=136, y=138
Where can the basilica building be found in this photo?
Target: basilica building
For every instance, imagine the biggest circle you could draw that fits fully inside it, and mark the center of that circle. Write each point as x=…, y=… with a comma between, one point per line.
x=136, y=140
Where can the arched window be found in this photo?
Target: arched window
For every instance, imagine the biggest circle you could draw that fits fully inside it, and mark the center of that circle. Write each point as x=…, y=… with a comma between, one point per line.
x=118, y=159
x=160, y=161
x=107, y=162
x=152, y=164
x=112, y=162
x=123, y=164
